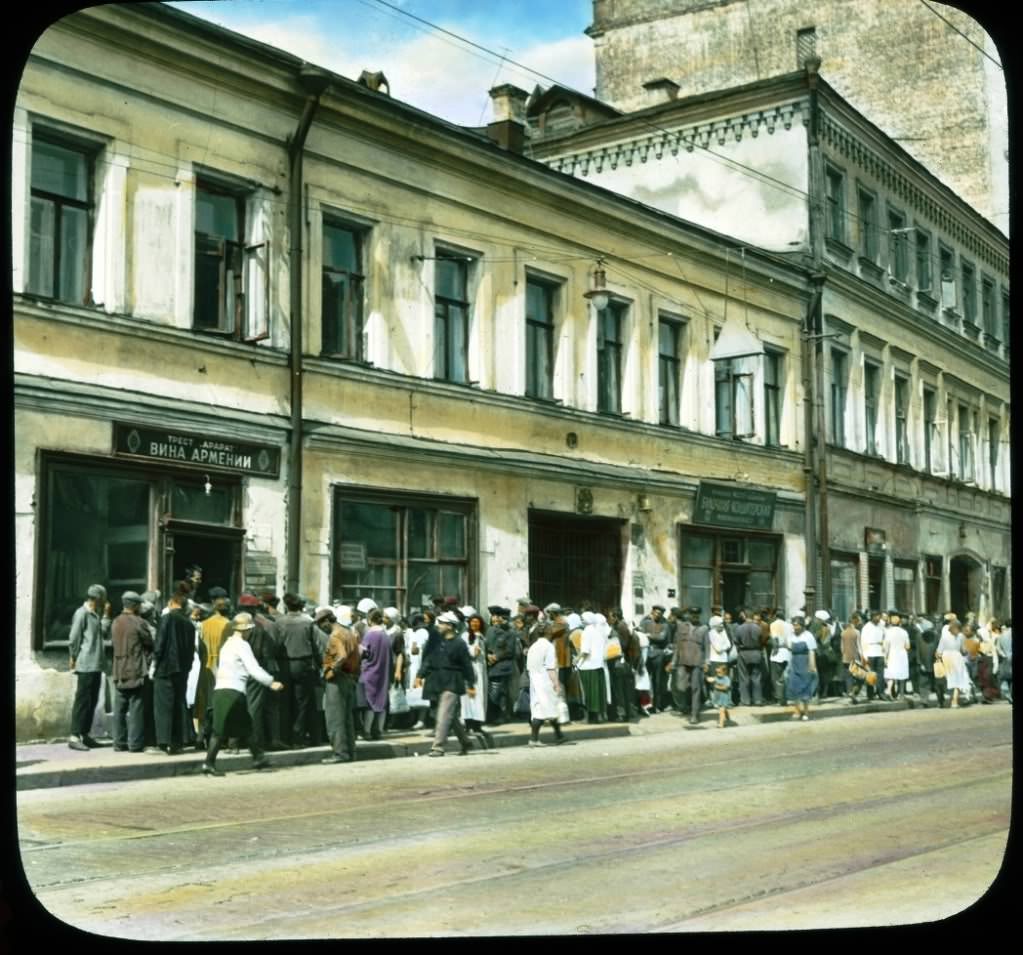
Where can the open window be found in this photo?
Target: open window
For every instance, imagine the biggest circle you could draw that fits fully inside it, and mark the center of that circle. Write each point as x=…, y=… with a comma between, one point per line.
x=343, y=281
x=733, y=398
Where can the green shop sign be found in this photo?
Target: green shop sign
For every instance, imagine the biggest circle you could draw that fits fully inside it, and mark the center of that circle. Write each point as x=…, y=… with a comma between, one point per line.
x=196, y=450
x=724, y=506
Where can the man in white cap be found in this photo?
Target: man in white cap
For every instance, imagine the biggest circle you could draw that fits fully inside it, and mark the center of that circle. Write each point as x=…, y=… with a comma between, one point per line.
x=448, y=674
x=88, y=630
x=362, y=608
x=828, y=656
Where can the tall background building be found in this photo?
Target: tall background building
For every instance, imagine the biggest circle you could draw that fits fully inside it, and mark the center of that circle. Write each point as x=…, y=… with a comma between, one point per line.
x=928, y=87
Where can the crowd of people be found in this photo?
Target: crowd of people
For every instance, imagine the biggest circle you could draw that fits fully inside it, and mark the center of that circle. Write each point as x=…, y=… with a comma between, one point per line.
x=210, y=675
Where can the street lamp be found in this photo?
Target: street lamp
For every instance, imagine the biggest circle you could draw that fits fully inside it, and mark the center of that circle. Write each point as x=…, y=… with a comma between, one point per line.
x=598, y=295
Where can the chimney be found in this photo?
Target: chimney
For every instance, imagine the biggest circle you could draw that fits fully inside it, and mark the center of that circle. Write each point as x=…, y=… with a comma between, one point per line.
x=661, y=90
x=508, y=128
x=375, y=81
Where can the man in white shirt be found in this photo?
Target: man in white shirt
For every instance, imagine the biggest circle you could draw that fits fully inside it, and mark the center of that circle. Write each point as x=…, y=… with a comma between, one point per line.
x=781, y=633
x=872, y=652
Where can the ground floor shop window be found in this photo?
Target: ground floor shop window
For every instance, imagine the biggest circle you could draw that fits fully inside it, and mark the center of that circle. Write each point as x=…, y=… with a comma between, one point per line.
x=126, y=528
x=998, y=603
x=905, y=586
x=844, y=575
x=932, y=585
x=401, y=551
x=730, y=570
x=875, y=583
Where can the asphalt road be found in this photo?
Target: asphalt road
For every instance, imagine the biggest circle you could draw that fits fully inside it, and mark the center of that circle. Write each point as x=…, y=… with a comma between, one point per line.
x=887, y=818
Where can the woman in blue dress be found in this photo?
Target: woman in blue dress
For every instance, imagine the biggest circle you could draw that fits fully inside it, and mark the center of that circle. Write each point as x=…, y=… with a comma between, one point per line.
x=801, y=678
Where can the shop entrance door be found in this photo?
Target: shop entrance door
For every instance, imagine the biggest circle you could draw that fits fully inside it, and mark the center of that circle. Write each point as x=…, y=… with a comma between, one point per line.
x=575, y=559
x=965, y=577
x=734, y=590
x=217, y=550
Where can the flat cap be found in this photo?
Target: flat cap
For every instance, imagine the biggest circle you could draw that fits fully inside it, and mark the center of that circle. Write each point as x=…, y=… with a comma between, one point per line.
x=130, y=597
x=497, y=611
x=97, y=592
x=324, y=612
x=531, y=609
x=217, y=592
x=448, y=617
x=552, y=608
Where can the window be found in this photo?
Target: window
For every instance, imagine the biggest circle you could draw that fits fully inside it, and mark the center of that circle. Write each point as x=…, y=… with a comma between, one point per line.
x=932, y=584
x=969, y=294
x=773, y=373
x=845, y=575
x=835, y=208
x=993, y=439
x=966, y=472
x=946, y=259
x=341, y=312
x=901, y=412
x=401, y=551
x=871, y=374
x=733, y=399
x=930, y=428
x=905, y=586
x=898, y=246
x=949, y=417
x=231, y=278
x=669, y=366
x=728, y=569
x=806, y=45
x=451, y=319
x=61, y=213
x=868, y=225
x=1005, y=320
x=839, y=386
x=923, y=263
x=987, y=311
x=539, y=338
x=609, y=357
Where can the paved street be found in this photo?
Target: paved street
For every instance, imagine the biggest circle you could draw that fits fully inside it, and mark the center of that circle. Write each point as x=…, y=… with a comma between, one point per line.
x=771, y=826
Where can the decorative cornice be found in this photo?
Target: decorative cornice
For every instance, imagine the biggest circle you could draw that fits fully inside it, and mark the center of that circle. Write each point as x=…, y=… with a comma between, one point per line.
x=900, y=185
x=687, y=138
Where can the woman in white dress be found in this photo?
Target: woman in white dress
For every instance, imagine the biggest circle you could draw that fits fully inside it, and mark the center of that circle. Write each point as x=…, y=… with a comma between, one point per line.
x=542, y=667
x=643, y=683
x=896, y=654
x=950, y=652
x=474, y=708
x=415, y=640
x=590, y=663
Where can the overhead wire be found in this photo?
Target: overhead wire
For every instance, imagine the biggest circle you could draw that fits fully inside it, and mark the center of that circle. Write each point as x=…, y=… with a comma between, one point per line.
x=952, y=26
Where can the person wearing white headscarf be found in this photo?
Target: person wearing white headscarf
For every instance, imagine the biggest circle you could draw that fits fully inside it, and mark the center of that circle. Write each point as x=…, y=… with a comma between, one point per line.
x=592, y=667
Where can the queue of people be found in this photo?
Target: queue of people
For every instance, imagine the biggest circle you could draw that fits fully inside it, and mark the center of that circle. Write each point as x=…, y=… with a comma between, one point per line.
x=205, y=676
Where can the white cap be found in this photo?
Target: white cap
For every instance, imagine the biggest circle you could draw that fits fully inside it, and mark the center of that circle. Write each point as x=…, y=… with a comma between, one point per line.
x=468, y=611
x=448, y=617
x=344, y=615
x=715, y=623
x=822, y=615
x=391, y=613
x=366, y=605
x=574, y=621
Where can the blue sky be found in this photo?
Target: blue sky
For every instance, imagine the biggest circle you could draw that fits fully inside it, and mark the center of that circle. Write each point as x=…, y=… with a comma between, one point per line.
x=424, y=67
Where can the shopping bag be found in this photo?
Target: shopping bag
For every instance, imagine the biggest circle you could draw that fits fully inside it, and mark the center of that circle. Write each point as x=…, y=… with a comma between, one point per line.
x=396, y=701
x=563, y=714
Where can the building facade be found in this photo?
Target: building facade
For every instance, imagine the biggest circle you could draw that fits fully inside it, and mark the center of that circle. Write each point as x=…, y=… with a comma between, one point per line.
x=241, y=287
x=938, y=92
x=908, y=370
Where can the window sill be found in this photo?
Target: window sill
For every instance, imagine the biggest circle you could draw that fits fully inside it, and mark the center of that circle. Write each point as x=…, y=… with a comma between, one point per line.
x=870, y=269
x=621, y=415
x=838, y=248
x=547, y=402
x=345, y=359
x=925, y=302
x=971, y=330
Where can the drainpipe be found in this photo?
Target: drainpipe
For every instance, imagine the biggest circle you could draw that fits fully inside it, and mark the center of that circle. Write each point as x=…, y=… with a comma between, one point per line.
x=314, y=82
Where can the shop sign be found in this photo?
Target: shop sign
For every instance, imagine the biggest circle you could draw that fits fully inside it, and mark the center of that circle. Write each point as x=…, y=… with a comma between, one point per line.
x=723, y=506
x=876, y=540
x=196, y=450
x=353, y=555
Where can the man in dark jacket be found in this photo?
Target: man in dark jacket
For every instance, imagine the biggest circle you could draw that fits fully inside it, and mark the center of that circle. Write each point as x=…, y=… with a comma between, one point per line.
x=501, y=672
x=133, y=643
x=658, y=632
x=623, y=669
x=88, y=629
x=751, y=660
x=261, y=701
x=173, y=653
x=690, y=654
x=295, y=633
x=448, y=673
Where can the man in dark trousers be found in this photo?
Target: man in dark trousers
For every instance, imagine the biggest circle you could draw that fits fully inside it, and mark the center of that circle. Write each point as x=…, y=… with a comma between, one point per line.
x=447, y=673
x=88, y=629
x=294, y=631
x=260, y=699
x=750, y=662
x=133, y=643
x=173, y=653
x=501, y=672
x=623, y=669
x=690, y=654
x=340, y=674
x=658, y=632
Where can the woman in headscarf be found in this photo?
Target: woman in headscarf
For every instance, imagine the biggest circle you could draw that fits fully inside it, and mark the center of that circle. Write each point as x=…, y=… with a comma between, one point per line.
x=375, y=675
x=403, y=718
x=474, y=708
x=415, y=644
x=542, y=667
x=592, y=668
x=230, y=708
x=801, y=676
x=570, y=682
x=896, y=655
x=950, y=653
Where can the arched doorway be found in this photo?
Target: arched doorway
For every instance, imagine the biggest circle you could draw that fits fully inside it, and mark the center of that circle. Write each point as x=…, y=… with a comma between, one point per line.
x=966, y=581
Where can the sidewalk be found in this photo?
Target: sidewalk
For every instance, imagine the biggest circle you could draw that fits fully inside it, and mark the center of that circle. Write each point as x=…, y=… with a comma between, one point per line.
x=52, y=764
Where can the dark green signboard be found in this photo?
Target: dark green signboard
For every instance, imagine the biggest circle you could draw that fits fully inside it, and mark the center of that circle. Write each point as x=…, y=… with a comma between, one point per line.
x=727, y=506
x=196, y=450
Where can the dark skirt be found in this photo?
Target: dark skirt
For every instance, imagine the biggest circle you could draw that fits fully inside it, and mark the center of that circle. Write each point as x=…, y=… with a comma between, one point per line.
x=594, y=691
x=230, y=714
x=800, y=681
x=985, y=679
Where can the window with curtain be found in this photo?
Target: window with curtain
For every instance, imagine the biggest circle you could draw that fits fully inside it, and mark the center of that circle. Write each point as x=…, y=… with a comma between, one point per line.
x=901, y=420
x=966, y=472
x=451, y=319
x=733, y=399
x=871, y=377
x=839, y=389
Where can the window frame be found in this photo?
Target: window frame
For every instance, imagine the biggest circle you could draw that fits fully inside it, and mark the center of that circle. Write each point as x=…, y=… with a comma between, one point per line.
x=968, y=275
x=610, y=357
x=443, y=302
x=900, y=402
x=898, y=245
x=871, y=397
x=89, y=150
x=727, y=378
x=839, y=396
x=923, y=252
x=869, y=225
x=356, y=284
x=1005, y=320
x=775, y=390
x=835, y=204
x=994, y=438
x=930, y=423
x=988, y=317
x=543, y=329
x=669, y=368
x=967, y=465
x=949, y=292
